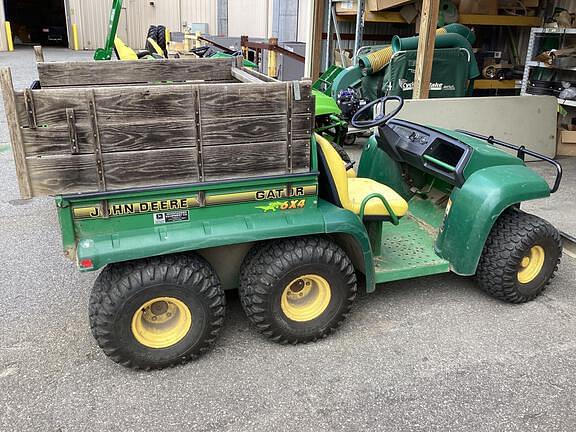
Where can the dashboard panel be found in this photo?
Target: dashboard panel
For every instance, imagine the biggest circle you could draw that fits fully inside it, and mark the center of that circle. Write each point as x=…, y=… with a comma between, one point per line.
x=425, y=149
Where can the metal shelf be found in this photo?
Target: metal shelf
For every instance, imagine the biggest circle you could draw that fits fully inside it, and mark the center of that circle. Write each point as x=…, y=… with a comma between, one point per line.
x=566, y=102
x=547, y=66
x=469, y=19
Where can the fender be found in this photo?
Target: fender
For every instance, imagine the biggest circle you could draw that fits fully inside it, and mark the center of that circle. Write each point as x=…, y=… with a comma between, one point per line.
x=476, y=207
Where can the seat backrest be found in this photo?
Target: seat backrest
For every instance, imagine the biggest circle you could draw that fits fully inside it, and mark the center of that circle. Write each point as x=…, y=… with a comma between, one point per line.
x=336, y=168
x=123, y=51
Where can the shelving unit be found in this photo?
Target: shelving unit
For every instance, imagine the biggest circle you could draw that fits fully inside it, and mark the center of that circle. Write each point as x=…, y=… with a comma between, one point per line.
x=468, y=19
x=533, y=50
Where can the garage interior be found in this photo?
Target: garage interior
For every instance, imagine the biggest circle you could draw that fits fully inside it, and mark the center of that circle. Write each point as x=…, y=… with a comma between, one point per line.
x=37, y=22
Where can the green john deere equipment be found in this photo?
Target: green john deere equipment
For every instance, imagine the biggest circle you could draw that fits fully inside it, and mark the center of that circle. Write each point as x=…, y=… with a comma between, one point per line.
x=235, y=191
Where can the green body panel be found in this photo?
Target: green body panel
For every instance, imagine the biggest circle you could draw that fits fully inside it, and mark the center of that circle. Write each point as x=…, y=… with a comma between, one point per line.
x=325, y=105
x=324, y=83
x=349, y=77
x=106, y=52
x=377, y=165
x=245, y=62
x=230, y=216
x=484, y=155
x=408, y=249
x=494, y=181
x=476, y=206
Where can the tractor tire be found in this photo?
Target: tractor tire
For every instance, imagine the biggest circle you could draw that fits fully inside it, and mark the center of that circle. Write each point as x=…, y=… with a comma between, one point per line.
x=520, y=257
x=161, y=39
x=297, y=290
x=153, y=34
x=157, y=312
x=341, y=152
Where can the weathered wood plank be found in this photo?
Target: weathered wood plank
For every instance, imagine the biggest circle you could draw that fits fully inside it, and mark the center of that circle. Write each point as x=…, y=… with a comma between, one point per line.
x=56, y=141
x=301, y=156
x=244, y=130
x=244, y=160
x=113, y=138
x=259, y=75
x=236, y=100
x=157, y=83
x=77, y=173
x=10, y=107
x=134, y=104
x=144, y=136
x=39, y=54
x=306, y=103
x=244, y=77
x=62, y=174
x=150, y=168
x=302, y=126
x=59, y=74
x=50, y=107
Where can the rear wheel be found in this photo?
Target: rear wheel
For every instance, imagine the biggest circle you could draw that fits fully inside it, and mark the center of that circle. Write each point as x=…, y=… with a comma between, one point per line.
x=520, y=257
x=157, y=312
x=161, y=39
x=297, y=290
x=152, y=34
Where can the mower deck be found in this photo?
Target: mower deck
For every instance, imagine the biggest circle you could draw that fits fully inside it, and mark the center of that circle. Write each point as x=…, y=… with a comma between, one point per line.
x=408, y=248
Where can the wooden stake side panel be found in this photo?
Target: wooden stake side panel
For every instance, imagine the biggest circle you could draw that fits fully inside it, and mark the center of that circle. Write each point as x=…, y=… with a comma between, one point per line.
x=147, y=135
x=61, y=74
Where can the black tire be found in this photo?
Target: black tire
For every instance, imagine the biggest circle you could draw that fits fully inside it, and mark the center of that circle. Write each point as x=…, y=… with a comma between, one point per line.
x=122, y=289
x=349, y=139
x=341, y=152
x=270, y=270
x=152, y=34
x=514, y=235
x=161, y=39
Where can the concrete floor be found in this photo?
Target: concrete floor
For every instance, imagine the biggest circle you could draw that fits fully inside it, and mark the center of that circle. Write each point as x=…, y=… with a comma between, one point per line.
x=427, y=354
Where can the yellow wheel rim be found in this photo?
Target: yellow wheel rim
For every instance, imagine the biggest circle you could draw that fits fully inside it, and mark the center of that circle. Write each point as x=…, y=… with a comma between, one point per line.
x=306, y=298
x=161, y=322
x=531, y=264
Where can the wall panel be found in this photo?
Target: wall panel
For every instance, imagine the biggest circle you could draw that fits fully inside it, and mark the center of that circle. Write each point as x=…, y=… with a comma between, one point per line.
x=248, y=17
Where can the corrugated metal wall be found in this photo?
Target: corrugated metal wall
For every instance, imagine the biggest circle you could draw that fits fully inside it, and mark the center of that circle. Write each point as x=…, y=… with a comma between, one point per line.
x=92, y=17
x=248, y=17
x=200, y=11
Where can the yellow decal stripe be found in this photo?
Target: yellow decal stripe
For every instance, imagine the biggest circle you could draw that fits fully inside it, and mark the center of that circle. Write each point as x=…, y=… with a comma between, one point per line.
x=123, y=209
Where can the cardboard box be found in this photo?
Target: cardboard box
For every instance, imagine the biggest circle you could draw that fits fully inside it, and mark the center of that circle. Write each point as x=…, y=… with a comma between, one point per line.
x=349, y=7
x=566, y=143
x=346, y=8
x=478, y=7
x=379, y=5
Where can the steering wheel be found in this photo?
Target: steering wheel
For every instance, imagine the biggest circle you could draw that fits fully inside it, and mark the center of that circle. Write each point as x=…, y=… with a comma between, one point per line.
x=381, y=119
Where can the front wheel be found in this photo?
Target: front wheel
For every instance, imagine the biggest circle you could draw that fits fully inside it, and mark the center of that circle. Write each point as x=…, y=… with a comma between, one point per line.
x=157, y=312
x=297, y=290
x=520, y=257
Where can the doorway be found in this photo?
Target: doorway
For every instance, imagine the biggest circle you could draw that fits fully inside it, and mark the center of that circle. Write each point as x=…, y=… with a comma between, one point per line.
x=37, y=22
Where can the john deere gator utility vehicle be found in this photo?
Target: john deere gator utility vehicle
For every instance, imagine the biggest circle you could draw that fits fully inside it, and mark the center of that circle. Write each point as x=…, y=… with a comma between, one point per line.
x=234, y=191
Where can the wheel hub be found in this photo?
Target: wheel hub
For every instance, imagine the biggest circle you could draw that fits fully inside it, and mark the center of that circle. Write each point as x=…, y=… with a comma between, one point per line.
x=306, y=298
x=531, y=264
x=161, y=322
